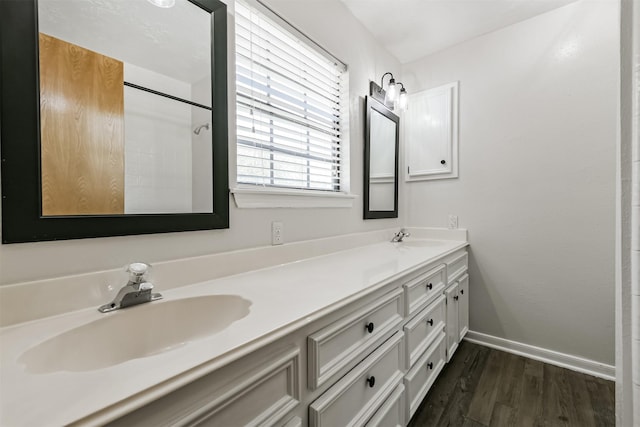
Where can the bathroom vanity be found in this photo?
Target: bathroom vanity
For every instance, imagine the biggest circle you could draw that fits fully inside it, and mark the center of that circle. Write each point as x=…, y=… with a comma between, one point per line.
x=354, y=337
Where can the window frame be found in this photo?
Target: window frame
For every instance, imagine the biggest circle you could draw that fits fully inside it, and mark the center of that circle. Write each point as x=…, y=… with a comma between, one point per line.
x=266, y=196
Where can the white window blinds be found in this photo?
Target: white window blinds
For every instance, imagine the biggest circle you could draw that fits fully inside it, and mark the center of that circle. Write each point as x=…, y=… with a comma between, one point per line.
x=290, y=101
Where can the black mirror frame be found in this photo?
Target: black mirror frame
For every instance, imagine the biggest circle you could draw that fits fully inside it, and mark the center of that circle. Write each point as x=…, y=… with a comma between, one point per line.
x=372, y=104
x=20, y=141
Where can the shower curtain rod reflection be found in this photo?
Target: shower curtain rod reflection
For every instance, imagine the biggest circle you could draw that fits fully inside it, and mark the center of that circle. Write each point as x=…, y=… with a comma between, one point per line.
x=175, y=98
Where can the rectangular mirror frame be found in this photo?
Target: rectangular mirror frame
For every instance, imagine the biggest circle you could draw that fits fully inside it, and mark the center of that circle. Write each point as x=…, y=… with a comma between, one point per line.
x=372, y=104
x=20, y=141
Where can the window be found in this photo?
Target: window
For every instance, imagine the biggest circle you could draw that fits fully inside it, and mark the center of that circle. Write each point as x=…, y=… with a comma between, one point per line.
x=290, y=107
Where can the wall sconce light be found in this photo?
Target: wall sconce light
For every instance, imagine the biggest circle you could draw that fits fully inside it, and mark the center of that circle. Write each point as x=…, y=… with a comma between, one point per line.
x=389, y=97
x=403, y=98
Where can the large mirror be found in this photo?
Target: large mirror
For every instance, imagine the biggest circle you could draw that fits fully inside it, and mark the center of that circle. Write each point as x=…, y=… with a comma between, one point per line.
x=380, y=161
x=114, y=117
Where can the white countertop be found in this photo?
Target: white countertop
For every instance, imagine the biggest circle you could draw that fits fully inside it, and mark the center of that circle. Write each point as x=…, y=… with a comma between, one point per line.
x=283, y=298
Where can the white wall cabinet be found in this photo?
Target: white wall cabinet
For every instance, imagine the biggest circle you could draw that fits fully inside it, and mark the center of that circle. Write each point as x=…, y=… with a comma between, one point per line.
x=370, y=363
x=431, y=134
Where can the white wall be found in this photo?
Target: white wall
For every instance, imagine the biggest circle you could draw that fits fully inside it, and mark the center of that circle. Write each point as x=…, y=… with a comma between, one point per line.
x=157, y=134
x=331, y=25
x=538, y=104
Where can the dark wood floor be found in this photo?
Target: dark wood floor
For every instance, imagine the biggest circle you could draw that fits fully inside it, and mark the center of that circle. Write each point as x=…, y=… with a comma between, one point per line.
x=486, y=387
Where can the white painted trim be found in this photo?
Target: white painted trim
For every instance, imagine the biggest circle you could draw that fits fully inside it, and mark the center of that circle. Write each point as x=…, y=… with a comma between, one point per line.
x=575, y=363
x=254, y=198
x=288, y=363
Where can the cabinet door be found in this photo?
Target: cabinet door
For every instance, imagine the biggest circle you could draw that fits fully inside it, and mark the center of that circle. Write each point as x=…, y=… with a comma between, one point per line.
x=463, y=305
x=255, y=391
x=453, y=332
x=431, y=133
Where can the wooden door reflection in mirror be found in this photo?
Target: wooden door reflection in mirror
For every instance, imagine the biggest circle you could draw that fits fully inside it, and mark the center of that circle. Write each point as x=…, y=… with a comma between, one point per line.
x=81, y=130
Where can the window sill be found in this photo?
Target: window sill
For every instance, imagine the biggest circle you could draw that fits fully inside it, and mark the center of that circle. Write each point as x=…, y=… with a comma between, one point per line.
x=255, y=198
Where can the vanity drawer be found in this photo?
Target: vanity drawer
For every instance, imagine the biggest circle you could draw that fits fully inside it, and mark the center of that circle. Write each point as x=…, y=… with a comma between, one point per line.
x=419, y=291
x=457, y=266
x=356, y=397
x=263, y=396
x=423, y=329
x=294, y=422
x=392, y=412
x=420, y=378
x=350, y=338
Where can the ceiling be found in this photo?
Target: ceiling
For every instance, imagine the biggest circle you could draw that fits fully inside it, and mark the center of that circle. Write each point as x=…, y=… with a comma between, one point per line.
x=412, y=29
x=175, y=42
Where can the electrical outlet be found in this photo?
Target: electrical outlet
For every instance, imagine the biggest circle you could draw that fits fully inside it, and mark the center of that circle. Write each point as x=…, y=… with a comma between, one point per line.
x=277, y=237
x=453, y=222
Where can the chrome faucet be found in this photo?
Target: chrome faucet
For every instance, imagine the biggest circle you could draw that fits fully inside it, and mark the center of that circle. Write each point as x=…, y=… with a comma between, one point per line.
x=136, y=291
x=400, y=235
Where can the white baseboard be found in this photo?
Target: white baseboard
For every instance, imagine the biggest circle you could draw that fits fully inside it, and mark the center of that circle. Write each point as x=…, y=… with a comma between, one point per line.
x=575, y=363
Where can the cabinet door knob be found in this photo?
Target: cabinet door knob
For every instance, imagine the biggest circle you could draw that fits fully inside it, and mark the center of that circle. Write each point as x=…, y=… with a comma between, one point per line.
x=462, y=291
x=371, y=381
x=456, y=298
x=369, y=327
x=430, y=322
x=430, y=286
x=430, y=365
x=443, y=162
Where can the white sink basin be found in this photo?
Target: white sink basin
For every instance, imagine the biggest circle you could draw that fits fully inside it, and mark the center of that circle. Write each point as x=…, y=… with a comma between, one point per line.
x=421, y=243
x=135, y=332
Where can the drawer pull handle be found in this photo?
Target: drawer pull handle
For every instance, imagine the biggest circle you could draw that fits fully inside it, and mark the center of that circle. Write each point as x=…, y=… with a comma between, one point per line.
x=369, y=327
x=430, y=286
x=430, y=322
x=456, y=298
x=371, y=381
x=430, y=365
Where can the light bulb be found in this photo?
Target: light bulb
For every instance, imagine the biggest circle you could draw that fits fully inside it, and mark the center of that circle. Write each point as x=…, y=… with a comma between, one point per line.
x=402, y=103
x=163, y=3
x=391, y=91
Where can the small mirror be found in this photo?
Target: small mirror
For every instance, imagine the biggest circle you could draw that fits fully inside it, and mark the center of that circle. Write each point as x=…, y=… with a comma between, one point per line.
x=380, y=162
